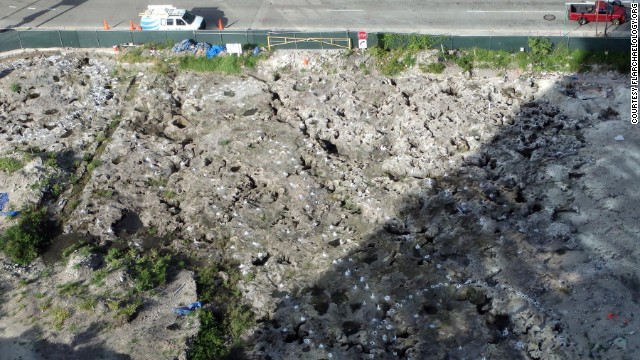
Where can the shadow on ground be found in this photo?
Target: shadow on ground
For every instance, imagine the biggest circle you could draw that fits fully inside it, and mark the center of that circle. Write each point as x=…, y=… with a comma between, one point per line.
x=29, y=345
x=489, y=260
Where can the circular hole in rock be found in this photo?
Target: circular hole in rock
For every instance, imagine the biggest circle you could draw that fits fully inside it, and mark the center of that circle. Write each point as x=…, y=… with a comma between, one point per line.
x=235, y=168
x=430, y=309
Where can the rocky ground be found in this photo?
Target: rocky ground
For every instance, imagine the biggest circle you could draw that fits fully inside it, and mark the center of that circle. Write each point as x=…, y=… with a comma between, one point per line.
x=418, y=216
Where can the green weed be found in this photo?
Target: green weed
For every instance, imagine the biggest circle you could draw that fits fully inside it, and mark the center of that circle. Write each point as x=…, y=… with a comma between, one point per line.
x=219, y=333
x=10, y=165
x=22, y=242
x=60, y=315
x=73, y=288
x=93, y=165
x=159, y=182
x=225, y=64
x=434, y=68
x=99, y=276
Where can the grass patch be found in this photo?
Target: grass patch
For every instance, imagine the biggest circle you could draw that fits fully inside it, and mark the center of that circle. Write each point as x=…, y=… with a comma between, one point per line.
x=124, y=310
x=433, y=68
x=219, y=333
x=99, y=276
x=10, y=165
x=395, y=54
x=225, y=64
x=15, y=87
x=60, y=315
x=88, y=304
x=159, y=182
x=147, y=270
x=23, y=241
x=73, y=288
x=73, y=247
x=93, y=165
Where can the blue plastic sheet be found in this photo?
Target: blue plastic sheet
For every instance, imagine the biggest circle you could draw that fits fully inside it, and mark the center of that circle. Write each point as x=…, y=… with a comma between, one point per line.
x=4, y=198
x=185, y=310
x=191, y=46
x=214, y=50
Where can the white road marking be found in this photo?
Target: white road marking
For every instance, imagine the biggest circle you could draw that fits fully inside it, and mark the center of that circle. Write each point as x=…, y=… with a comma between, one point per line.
x=513, y=11
x=343, y=10
x=31, y=8
x=12, y=6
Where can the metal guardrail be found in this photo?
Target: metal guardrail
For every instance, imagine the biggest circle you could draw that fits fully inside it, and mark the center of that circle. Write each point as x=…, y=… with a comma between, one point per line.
x=27, y=39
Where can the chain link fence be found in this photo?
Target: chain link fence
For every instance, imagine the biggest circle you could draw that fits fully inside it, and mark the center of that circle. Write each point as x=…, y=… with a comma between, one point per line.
x=27, y=39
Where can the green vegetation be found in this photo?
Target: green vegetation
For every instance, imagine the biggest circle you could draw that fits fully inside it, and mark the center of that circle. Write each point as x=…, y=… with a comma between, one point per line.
x=159, y=182
x=73, y=288
x=105, y=193
x=396, y=52
x=60, y=315
x=73, y=247
x=99, y=276
x=88, y=303
x=434, y=68
x=15, y=87
x=125, y=309
x=147, y=270
x=225, y=64
x=93, y=165
x=169, y=195
x=220, y=333
x=10, y=165
x=224, y=142
x=23, y=241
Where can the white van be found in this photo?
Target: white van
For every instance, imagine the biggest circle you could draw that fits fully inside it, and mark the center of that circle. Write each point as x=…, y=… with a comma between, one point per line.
x=167, y=17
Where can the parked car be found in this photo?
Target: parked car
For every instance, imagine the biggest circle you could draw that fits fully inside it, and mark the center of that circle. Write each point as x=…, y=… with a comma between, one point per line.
x=596, y=11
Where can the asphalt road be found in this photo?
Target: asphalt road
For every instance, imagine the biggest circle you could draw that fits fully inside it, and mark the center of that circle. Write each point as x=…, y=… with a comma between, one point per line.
x=484, y=17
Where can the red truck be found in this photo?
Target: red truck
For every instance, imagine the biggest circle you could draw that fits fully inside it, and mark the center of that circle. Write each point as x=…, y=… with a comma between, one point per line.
x=597, y=11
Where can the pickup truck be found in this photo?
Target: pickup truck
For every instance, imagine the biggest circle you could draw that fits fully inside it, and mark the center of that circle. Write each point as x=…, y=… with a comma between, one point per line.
x=597, y=11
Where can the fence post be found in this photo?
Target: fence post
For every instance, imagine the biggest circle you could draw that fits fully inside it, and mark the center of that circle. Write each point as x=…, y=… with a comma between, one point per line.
x=131, y=36
x=295, y=41
x=60, y=38
x=19, y=39
x=97, y=38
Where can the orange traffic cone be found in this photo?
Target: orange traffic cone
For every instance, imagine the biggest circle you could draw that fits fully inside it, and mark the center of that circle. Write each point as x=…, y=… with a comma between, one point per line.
x=220, y=27
x=305, y=61
x=131, y=27
x=106, y=26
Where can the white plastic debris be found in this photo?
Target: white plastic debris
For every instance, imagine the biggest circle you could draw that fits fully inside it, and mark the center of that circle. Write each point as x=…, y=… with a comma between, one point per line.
x=619, y=138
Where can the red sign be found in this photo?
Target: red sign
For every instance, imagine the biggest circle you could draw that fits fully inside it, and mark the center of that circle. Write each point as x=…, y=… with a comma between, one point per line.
x=362, y=35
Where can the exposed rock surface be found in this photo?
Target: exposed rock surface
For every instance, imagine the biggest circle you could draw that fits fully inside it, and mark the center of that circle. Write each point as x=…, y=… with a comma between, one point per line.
x=414, y=217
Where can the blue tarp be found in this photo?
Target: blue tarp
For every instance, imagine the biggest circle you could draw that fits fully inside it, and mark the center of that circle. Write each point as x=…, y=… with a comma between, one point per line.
x=214, y=50
x=4, y=198
x=185, y=45
x=185, y=310
x=191, y=46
